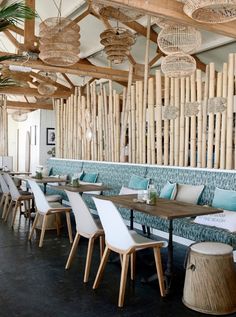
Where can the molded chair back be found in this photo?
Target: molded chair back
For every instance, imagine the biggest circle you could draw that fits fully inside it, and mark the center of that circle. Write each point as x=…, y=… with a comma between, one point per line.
x=40, y=199
x=83, y=218
x=116, y=231
x=15, y=194
x=4, y=186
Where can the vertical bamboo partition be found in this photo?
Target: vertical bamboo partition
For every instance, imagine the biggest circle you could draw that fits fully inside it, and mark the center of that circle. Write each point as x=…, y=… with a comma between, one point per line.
x=129, y=127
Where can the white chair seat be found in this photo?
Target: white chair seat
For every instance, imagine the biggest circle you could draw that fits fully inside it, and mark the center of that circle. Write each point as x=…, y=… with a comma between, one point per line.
x=139, y=239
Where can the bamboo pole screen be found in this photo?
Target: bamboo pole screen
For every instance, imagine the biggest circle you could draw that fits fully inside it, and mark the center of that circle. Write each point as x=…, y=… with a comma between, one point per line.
x=3, y=127
x=129, y=127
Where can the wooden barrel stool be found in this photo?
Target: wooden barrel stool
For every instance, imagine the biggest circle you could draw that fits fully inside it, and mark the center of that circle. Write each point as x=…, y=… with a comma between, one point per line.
x=210, y=280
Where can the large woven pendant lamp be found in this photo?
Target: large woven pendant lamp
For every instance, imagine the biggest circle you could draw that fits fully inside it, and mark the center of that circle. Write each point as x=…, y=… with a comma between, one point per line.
x=211, y=11
x=117, y=42
x=59, y=41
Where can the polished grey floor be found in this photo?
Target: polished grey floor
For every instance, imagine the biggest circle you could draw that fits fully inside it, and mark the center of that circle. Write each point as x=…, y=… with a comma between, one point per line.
x=33, y=281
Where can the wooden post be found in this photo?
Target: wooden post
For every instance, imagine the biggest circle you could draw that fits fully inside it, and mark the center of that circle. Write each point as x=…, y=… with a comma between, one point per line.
x=166, y=122
x=181, y=136
x=193, y=125
x=158, y=117
x=177, y=122
x=199, y=118
x=204, y=118
x=186, y=142
x=218, y=123
x=172, y=122
x=230, y=98
x=211, y=118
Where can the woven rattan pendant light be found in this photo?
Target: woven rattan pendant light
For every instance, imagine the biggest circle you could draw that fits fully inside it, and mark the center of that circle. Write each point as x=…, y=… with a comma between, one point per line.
x=117, y=42
x=178, y=65
x=211, y=11
x=177, y=38
x=59, y=41
x=217, y=104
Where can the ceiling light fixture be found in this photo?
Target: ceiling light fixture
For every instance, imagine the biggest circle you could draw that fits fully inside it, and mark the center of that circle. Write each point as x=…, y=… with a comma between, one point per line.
x=178, y=65
x=211, y=11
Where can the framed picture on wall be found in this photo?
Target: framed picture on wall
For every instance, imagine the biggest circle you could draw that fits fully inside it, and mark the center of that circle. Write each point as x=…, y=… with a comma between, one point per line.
x=50, y=136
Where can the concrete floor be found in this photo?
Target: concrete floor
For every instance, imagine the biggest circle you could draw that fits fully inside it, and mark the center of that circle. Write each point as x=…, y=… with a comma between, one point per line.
x=33, y=281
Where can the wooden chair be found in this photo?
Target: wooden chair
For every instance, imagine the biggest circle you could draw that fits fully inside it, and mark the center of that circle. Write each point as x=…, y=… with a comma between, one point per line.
x=119, y=239
x=5, y=196
x=45, y=209
x=87, y=227
x=17, y=197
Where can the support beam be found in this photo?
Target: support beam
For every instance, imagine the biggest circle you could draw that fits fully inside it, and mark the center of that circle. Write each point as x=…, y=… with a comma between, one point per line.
x=49, y=81
x=29, y=29
x=68, y=80
x=31, y=92
x=79, y=69
x=173, y=10
x=28, y=106
x=12, y=39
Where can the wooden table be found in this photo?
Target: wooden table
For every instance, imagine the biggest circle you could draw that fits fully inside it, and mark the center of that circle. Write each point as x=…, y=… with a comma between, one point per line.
x=82, y=188
x=12, y=173
x=167, y=209
x=44, y=180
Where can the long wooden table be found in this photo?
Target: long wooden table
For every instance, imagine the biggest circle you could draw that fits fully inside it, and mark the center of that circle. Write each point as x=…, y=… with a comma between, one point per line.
x=167, y=209
x=44, y=180
x=82, y=188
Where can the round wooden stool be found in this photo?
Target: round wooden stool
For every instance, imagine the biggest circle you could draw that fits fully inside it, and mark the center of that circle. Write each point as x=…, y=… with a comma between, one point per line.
x=210, y=280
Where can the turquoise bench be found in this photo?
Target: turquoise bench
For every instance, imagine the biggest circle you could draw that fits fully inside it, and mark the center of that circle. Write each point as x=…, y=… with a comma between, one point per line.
x=116, y=175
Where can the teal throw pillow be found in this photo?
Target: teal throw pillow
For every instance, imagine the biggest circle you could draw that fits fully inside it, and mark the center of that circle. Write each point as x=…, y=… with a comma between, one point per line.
x=224, y=199
x=138, y=182
x=168, y=191
x=89, y=177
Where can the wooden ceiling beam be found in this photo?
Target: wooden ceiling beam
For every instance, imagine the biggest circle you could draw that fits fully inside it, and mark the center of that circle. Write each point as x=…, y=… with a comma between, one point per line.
x=16, y=29
x=29, y=29
x=79, y=69
x=81, y=16
x=14, y=90
x=49, y=81
x=155, y=59
x=28, y=106
x=68, y=80
x=173, y=10
x=12, y=39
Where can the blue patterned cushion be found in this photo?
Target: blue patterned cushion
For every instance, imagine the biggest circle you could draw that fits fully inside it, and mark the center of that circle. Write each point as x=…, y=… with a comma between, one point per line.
x=225, y=199
x=138, y=182
x=168, y=191
x=89, y=177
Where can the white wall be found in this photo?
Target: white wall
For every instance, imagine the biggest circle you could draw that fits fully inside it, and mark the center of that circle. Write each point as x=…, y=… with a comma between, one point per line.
x=36, y=125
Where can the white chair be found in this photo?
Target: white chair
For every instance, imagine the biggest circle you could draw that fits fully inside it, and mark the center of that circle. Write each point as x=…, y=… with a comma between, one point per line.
x=45, y=209
x=119, y=239
x=17, y=197
x=87, y=227
x=5, y=196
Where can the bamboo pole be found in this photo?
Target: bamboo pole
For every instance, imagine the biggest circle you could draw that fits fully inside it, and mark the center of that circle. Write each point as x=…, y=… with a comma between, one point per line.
x=166, y=122
x=199, y=118
x=117, y=103
x=193, y=125
x=204, y=118
x=125, y=116
x=176, y=122
x=133, y=126
x=229, y=131
x=186, y=134
x=158, y=118
x=181, y=135
x=218, y=123
x=145, y=89
x=140, y=106
x=106, y=140
x=211, y=118
x=151, y=119
x=137, y=132
x=172, y=122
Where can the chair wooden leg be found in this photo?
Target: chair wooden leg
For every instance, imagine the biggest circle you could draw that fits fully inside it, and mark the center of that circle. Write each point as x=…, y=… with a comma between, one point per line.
x=101, y=267
x=157, y=255
x=18, y=203
x=102, y=245
x=5, y=206
x=88, y=259
x=45, y=218
x=72, y=251
x=33, y=226
x=2, y=200
x=132, y=265
x=124, y=271
x=57, y=223
x=8, y=210
x=69, y=227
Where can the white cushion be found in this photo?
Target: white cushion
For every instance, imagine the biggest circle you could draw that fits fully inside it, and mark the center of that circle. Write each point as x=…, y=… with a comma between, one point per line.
x=61, y=177
x=92, y=192
x=127, y=191
x=225, y=220
x=189, y=193
x=53, y=198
